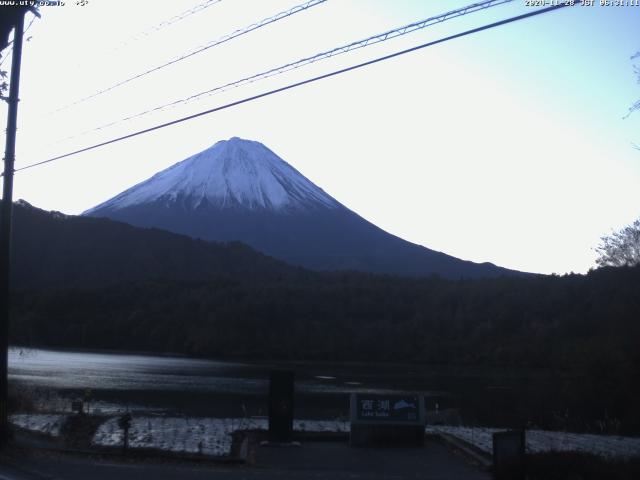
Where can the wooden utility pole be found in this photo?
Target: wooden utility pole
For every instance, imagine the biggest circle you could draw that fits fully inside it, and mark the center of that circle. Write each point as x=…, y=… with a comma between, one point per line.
x=5, y=224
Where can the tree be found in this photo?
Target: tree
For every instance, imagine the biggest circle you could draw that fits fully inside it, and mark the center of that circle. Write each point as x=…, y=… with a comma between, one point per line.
x=621, y=248
x=10, y=15
x=635, y=59
x=636, y=106
x=636, y=68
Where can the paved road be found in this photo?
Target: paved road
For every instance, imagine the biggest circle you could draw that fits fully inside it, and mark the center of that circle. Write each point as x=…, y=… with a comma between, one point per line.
x=338, y=460
x=313, y=460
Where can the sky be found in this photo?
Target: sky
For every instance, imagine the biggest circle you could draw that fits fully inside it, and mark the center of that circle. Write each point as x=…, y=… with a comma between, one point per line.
x=507, y=146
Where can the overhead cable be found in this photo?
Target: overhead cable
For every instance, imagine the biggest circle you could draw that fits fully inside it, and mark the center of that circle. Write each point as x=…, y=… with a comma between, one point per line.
x=301, y=83
x=235, y=34
x=380, y=37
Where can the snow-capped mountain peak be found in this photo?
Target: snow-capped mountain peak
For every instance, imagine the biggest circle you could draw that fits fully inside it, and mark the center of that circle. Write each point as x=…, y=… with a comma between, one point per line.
x=239, y=190
x=231, y=173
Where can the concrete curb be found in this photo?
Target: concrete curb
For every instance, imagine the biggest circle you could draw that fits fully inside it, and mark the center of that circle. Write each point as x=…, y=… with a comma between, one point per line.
x=484, y=459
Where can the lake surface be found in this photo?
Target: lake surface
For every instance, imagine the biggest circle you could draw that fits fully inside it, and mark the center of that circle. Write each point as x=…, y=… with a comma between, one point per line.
x=206, y=387
x=111, y=371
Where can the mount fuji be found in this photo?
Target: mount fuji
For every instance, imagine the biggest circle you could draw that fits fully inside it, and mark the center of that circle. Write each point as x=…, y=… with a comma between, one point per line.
x=239, y=190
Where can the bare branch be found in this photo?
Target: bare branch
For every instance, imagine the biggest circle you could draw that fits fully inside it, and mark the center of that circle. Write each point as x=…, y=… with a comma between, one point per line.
x=621, y=248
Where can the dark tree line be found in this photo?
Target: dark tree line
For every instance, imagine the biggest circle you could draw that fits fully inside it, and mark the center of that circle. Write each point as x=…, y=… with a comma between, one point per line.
x=538, y=321
x=587, y=326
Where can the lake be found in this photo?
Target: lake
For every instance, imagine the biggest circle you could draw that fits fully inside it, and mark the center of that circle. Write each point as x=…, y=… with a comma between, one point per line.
x=188, y=386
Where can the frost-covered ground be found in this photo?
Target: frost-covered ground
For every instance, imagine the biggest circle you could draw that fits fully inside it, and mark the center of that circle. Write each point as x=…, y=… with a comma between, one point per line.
x=213, y=436
x=39, y=422
x=208, y=436
x=544, y=441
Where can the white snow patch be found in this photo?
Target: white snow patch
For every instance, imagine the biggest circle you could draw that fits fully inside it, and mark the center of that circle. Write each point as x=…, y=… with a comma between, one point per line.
x=231, y=172
x=37, y=422
x=213, y=436
x=207, y=436
x=609, y=446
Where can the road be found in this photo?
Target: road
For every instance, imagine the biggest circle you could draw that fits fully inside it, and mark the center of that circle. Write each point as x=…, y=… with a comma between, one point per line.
x=312, y=460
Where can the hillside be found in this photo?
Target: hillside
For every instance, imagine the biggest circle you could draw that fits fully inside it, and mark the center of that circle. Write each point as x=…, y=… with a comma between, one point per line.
x=51, y=249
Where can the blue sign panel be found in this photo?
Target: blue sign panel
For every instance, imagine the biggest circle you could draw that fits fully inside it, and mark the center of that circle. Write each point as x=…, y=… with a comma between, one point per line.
x=393, y=408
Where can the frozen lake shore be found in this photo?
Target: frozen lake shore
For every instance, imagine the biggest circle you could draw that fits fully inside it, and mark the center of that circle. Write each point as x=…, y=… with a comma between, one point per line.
x=213, y=436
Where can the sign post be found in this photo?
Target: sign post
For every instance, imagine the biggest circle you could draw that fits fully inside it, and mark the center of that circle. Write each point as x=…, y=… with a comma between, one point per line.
x=281, y=407
x=509, y=455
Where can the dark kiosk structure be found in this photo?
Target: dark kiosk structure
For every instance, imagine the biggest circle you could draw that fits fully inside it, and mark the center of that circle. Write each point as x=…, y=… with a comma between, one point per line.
x=281, y=387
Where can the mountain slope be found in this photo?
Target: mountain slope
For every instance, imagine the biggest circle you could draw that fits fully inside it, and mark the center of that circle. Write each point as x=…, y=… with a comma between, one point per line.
x=50, y=249
x=239, y=190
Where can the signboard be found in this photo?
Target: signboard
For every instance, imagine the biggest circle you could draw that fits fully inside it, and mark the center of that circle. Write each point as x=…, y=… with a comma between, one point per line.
x=387, y=419
x=388, y=408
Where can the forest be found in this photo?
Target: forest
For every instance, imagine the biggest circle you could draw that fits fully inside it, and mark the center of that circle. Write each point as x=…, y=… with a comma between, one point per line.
x=97, y=284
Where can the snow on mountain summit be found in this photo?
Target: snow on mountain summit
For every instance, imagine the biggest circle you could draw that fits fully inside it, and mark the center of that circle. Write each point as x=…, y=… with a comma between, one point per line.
x=231, y=173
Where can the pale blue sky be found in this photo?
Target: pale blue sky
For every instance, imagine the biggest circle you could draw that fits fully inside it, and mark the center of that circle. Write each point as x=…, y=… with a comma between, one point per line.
x=506, y=146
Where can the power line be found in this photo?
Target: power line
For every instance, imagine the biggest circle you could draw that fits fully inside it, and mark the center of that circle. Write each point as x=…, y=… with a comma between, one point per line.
x=6, y=56
x=180, y=16
x=166, y=23
x=31, y=23
x=303, y=82
x=235, y=34
x=378, y=38
x=156, y=28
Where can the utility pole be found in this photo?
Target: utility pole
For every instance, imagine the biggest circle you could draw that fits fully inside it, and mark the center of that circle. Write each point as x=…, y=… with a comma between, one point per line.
x=5, y=224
